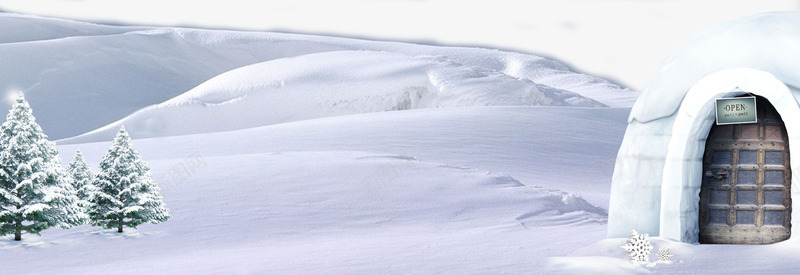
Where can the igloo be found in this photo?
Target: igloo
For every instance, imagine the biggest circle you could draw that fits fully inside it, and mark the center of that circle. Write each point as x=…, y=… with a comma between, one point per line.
x=668, y=156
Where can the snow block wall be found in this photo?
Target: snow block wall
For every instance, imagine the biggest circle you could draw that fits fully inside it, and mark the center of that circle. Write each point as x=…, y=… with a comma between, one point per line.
x=658, y=173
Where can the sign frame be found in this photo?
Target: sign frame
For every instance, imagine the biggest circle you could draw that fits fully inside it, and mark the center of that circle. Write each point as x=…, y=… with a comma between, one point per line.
x=731, y=117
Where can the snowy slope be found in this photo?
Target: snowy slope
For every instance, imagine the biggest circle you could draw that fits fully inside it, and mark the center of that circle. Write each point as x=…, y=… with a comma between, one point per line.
x=84, y=81
x=339, y=83
x=84, y=76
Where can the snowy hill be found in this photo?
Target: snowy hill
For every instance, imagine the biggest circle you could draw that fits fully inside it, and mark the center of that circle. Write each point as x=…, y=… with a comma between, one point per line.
x=84, y=76
x=337, y=83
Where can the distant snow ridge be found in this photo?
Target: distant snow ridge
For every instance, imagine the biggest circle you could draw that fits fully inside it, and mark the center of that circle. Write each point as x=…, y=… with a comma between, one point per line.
x=85, y=76
x=338, y=83
x=368, y=81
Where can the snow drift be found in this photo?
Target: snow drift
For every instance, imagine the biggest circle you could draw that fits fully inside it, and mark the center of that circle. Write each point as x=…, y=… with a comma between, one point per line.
x=83, y=76
x=330, y=84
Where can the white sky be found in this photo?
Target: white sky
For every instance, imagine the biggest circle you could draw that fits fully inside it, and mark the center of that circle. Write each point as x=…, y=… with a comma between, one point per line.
x=623, y=40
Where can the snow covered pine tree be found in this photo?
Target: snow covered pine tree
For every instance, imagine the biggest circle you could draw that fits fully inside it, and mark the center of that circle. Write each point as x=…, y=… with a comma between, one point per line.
x=125, y=195
x=83, y=178
x=36, y=193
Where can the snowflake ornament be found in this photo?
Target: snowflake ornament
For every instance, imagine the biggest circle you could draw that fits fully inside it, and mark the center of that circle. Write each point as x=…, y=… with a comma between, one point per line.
x=638, y=247
x=663, y=255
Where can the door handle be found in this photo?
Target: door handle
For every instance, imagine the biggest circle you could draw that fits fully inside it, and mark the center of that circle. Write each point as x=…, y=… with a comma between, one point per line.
x=720, y=175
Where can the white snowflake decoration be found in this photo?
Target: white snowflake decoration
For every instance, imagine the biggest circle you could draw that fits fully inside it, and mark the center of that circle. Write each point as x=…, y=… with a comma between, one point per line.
x=638, y=247
x=663, y=255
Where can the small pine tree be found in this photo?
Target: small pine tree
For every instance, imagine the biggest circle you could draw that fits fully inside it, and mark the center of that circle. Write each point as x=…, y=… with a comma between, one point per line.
x=125, y=194
x=83, y=178
x=35, y=191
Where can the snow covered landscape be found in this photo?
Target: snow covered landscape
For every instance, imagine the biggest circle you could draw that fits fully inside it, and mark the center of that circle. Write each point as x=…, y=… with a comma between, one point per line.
x=281, y=153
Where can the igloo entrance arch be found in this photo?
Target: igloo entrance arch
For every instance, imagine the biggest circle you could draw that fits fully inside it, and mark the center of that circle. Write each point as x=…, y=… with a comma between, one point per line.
x=683, y=169
x=666, y=198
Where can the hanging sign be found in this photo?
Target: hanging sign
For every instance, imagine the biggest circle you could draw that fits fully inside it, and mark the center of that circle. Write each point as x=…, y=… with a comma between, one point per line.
x=738, y=110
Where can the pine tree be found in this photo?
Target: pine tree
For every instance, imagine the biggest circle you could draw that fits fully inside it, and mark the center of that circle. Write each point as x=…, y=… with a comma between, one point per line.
x=125, y=194
x=83, y=178
x=35, y=191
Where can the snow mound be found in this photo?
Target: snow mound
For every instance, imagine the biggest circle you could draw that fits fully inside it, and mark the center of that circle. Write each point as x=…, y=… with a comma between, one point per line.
x=80, y=77
x=79, y=83
x=562, y=208
x=331, y=84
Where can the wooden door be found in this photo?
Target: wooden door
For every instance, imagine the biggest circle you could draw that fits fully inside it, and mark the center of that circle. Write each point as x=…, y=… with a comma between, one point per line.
x=745, y=195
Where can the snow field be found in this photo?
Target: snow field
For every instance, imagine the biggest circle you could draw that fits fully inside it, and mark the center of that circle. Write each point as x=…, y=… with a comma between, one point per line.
x=302, y=197
x=325, y=211
x=570, y=149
